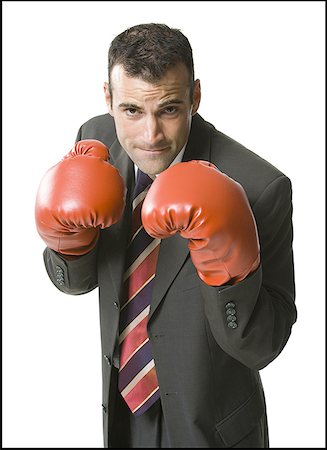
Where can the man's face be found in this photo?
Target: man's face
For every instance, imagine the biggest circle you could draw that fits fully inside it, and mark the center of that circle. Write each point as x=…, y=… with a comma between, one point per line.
x=152, y=120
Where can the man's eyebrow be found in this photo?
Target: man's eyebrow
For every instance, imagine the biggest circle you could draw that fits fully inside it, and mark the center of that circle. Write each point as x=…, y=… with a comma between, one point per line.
x=128, y=105
x=172, y=101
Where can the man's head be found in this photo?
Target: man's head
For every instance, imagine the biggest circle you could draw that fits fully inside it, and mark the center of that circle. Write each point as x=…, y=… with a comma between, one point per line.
x=151, y=93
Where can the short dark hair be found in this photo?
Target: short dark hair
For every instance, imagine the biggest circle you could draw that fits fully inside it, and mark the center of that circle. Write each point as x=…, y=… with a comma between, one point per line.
x=149, y=50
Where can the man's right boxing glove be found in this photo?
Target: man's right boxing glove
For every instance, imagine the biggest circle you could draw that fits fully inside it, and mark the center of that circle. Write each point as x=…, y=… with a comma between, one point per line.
x=77, y=197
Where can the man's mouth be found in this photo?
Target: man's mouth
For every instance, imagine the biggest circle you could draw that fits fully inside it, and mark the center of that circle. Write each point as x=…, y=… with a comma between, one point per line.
x=154, y=150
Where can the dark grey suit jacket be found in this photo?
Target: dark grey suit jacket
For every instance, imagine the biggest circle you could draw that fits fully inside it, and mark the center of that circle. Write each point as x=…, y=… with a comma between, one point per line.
x=208, y=372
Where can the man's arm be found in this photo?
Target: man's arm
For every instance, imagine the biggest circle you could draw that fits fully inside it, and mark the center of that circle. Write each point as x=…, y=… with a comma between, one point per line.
x=243, y=255
x=261, y=306
x=74, y=276
x=76, y=198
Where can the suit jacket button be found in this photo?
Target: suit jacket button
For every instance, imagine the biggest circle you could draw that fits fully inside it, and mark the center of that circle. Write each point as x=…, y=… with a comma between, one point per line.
x=232, y=324
x=108, y=359
x=230, y=305
x=230, y=311
x=116, y=305
x=231, y=318
x=60, y=275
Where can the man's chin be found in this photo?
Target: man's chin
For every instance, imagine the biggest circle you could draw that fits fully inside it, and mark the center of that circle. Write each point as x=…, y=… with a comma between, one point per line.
x=154, y=167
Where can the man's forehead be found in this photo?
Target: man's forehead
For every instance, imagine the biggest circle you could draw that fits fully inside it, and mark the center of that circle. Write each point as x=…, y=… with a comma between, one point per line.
x=176, y=78
x=133, y=92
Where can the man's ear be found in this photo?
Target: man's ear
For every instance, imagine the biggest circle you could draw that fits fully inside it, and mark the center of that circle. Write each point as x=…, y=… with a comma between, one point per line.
x=196, y=96
x=107, y=97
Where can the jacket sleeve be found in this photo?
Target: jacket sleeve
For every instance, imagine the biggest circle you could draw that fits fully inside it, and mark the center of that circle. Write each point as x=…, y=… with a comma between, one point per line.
x=76, y=276
x=252, y=320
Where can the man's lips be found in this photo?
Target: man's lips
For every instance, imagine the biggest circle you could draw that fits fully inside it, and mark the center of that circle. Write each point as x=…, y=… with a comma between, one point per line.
x=153, y=150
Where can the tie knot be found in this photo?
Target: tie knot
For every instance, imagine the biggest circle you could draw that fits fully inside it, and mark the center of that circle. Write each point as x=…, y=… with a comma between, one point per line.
x=142, y=181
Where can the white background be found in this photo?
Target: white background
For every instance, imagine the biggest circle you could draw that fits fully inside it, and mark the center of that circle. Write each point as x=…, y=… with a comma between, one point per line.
x=262, y=68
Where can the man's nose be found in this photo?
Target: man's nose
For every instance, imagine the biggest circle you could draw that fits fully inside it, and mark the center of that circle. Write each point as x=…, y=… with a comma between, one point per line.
x=153, y=133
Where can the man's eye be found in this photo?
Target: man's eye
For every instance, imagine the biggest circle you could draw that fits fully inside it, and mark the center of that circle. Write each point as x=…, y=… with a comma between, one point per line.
x=170, y=110
x=131, y=111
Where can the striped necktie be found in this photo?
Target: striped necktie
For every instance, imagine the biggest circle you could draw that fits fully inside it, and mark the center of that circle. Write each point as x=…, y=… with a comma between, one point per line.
x=137, y=379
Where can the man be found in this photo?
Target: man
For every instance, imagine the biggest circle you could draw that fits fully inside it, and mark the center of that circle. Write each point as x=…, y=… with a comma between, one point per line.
x=189, y=317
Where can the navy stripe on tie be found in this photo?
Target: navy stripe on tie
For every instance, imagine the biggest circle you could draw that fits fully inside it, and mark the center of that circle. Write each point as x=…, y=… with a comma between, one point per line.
x=148, y=403
x=135, y=365
x=140, y=242
x=143, y=180
x=135, y=306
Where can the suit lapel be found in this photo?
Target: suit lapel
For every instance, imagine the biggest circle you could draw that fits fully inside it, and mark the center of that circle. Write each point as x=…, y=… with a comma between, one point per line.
x=172, y=255
x=198, y=146
x=174, y=250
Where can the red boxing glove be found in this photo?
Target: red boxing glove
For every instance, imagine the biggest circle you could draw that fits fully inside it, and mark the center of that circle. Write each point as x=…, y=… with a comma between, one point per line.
x=211, y=210
x=77, y=197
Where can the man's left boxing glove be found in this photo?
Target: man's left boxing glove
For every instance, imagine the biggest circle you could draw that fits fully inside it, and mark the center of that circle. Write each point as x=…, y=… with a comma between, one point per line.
x=77, y=197
x=212, y=211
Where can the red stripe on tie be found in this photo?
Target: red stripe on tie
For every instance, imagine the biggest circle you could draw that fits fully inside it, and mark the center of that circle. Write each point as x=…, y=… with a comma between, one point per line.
x=133, y=340
x=142, y=390
x=141, y=274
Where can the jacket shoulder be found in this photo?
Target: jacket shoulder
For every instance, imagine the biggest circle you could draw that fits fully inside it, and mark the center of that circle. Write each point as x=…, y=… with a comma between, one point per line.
x=100, y=127
x=246, y=167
